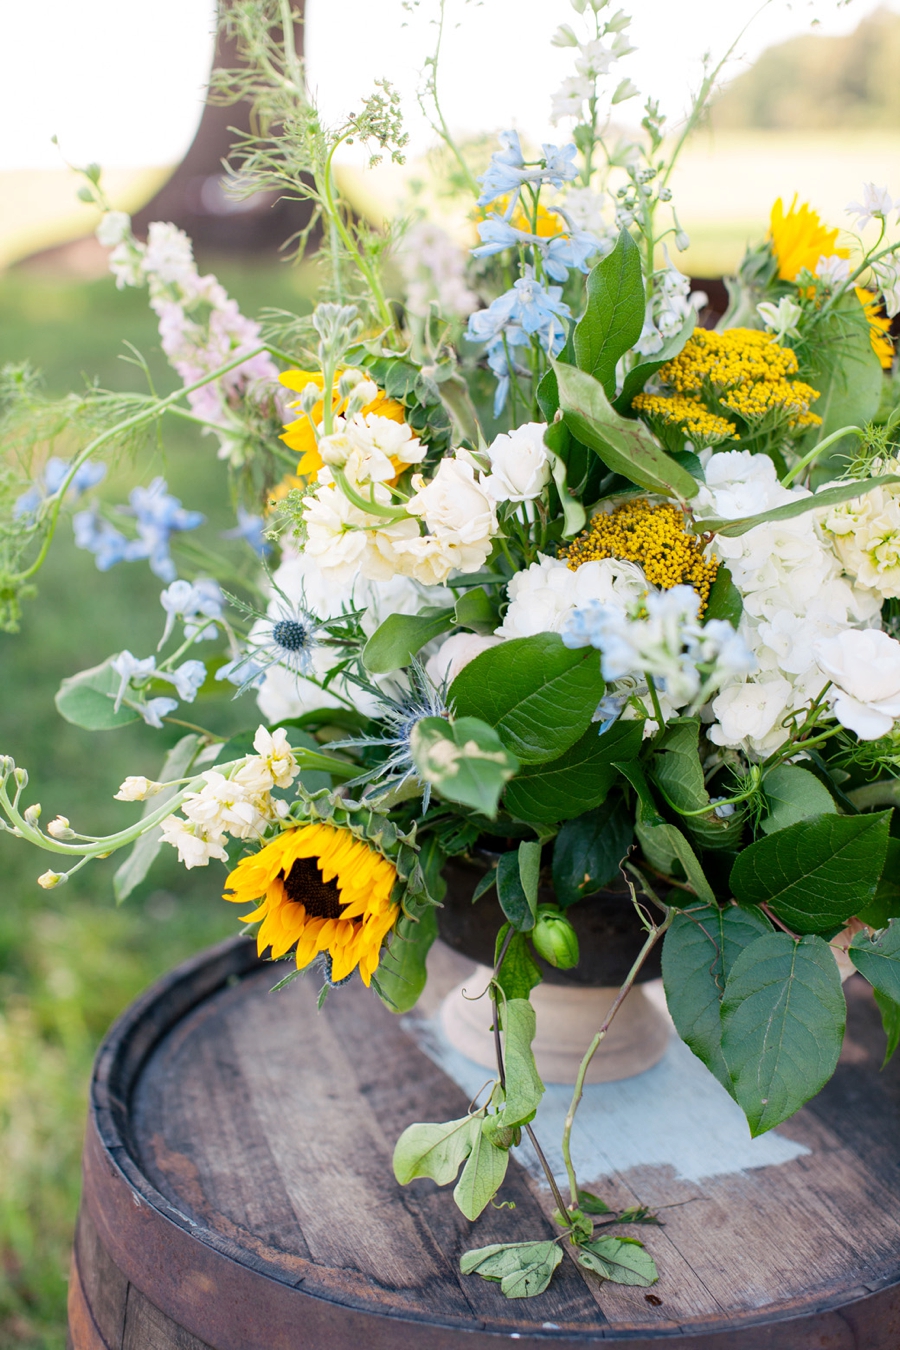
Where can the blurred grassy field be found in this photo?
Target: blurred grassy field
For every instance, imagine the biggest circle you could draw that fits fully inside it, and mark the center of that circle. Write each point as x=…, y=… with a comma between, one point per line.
x=69, y=959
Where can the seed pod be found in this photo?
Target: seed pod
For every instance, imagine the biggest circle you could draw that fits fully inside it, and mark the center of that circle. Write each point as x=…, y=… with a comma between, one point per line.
x=554, y=938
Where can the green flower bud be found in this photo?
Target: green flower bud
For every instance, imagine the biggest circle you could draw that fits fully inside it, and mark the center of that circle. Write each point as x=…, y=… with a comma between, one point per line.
x=554, y=938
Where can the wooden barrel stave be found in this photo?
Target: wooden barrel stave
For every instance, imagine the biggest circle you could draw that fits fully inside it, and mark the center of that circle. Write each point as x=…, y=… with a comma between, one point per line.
x=308, y=1244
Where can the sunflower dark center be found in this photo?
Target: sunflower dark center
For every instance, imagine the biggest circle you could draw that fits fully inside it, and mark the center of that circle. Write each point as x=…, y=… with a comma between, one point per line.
x=290, y=634
x=304, y=884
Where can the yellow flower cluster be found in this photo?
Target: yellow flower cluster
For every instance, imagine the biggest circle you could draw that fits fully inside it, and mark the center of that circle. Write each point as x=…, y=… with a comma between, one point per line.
x=688, y=415
x=745, y=371
x=654, y=537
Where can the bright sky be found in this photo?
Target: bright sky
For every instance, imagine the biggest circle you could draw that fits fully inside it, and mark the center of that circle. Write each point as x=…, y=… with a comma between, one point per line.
x=121, y=81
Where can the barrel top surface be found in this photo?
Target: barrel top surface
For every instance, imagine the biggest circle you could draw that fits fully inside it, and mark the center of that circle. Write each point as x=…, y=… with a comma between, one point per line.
x=238, y=1130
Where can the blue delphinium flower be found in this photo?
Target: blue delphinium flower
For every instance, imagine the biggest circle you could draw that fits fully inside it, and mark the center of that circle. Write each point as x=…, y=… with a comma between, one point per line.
x=88, y=475
x=250, y=528
x=560, y=253
x=527, y=308
x=193, y=603
x=108, y=545
x=507, y=172
x=159, y=515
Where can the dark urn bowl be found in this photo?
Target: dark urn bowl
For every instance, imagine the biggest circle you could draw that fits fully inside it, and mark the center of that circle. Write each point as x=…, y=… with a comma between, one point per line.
x=609, y=932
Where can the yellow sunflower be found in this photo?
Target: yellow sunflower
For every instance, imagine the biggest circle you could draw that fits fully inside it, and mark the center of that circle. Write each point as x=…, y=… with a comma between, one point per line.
x=800, y=238
x=323, y=889
x=300, y=435
x=879, y=327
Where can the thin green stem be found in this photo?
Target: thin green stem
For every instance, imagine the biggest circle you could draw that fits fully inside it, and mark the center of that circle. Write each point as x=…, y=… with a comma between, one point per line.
x=807, y=459
x=334, y=215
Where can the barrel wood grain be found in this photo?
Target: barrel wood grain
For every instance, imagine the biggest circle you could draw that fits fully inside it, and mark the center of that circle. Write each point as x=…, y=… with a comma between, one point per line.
x=239, y=1196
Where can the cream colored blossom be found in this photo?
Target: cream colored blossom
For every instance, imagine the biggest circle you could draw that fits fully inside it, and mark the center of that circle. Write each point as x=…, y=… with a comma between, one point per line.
x=137, y=789
x=47, y=880
x=455, y=506
x=195, y=843
x=865, y=532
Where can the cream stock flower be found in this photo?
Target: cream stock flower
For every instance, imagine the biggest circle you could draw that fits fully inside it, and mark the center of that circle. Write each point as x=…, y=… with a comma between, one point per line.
x=866, y=536
x=194, y=842
x=137, y=789
x=347, y=542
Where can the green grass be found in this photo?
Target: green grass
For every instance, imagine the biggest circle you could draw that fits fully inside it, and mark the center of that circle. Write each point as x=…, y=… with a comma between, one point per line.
x=70, y=960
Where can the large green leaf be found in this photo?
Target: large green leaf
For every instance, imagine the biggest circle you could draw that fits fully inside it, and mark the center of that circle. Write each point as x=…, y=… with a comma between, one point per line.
x=638, y=376
x=465, y=761
x=816, y=874
x=725, y=601
x=678, y=773
x=538, y=694
x=699, y=952
x=396, y=641
x=848, y=375
x=88, y=700
x=524, y=1088
x=783, y=1017
x=579, y=780
x=886, y=905
x=613, y=313
x=522, y=1269
x=589, y=849
x=794, y=794
x=519, y=972
x=890, y=1020
x=435, y=1151
x=664, y=846
x=401, y=974
x=625, y=446
x=879, y=959
x=620, y=1260
x=832, y=496
x=482, y=1175
x=518, y=906
x=132, y=871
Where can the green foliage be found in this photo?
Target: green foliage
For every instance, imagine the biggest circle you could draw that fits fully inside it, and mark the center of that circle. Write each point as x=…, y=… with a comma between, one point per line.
x=613, y=313
x=879, y=959
x=638, y=376
x=794, y=794
x=579, y=779
x=817, y=873
x=465, y=761
x=678, y=773
x=589, y=849
x=666, y=849
x=886, y=905
x=538, y=694
x=724, y=598
x=519, y=972
x=783, y=1017
x=832, y=496
x=519, y=905
x=554, y=938
x=626, y=447
x=890, y=1020
x=400, y=636
x=435, y=1150
x=699, y=951
x=524, y=1088
x=482, y=1175
x=843, y=366
x=88, y=700
x=619, y=1260
x=401, y=973
x=522, y=1269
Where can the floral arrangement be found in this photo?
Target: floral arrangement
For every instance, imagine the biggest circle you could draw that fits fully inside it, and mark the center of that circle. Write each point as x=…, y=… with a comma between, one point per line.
x=539, y=568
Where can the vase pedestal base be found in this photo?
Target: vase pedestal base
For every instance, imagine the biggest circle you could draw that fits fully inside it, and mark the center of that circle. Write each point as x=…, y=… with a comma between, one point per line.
x=568, y=1016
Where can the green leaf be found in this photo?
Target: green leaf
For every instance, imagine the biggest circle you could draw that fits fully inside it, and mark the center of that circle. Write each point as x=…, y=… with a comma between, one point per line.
x=574, y=514
x=476, y=611
x=833, y=496
x=511, y=893
x=401, y=975
x=724, y=599
x=678, y=773
x=88, y=700
x=524, y=1088
x=465, y=761
x=579, y=780
x=663, y=846
x=396, y=641
x=592, y=1204
x=783, y=1019
x=522, y=1269
x=890, y=1020
x=482, y=1175
x=530, y=870
x=626, y=447
x=699, y=951
x=435, y=1151
x=589, y=849
x=794, y=794
x=816, y=874
x=886, y=905
x=139, y=861
x=638, y=376
x=519, y=972
x=879, y=959
x=620, y=1260
x=613, y=313
x=850, y=388
x=537, y=693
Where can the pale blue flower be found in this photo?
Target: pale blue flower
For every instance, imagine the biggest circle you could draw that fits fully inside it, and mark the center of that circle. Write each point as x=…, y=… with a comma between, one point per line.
x=527, y=308
x=507, y=172
x=95, y=534
x=88, y=475
x=192, y=602
x=159, y=515
x=242, y=671
x=559, y=254
x=129, y=669
x=187, y=679
x=155, y=709
x=250, y=528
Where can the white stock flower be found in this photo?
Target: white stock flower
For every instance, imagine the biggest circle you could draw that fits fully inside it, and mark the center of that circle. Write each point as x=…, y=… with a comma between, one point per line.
x=570, y=97
x=455, y=654
x=347, y=542
x=864, y=666
x=195, y=844
x=887, y=273
x=781, y=318
x=876, y=202
x=169, y=259
x=227, y=806
x=137, y=789
x=520, y=465
x=594, y=59
x=543, y=595
x=273, y=765
x=865, y=533
x=371, y=449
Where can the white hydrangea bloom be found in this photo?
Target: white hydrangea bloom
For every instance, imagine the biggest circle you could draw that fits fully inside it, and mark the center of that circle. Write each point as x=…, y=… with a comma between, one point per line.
x=544, y=595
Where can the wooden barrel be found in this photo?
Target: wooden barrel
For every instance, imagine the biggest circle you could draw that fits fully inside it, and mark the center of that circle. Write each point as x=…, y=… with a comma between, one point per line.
x=238, y=1195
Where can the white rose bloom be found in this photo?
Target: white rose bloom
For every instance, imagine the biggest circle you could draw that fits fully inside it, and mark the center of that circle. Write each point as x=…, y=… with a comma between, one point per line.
x=455, y=654
x=454, y=505
x=430, y=559
x=520, y=465
x=751, y=713
x=543, y=595
x=195, y=844
x=864, y=665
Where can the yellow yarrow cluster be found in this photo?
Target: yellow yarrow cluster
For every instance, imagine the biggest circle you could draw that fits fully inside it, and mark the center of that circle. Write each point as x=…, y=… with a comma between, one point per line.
x=688, y=415
x=654, y=537
x=745, y=371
